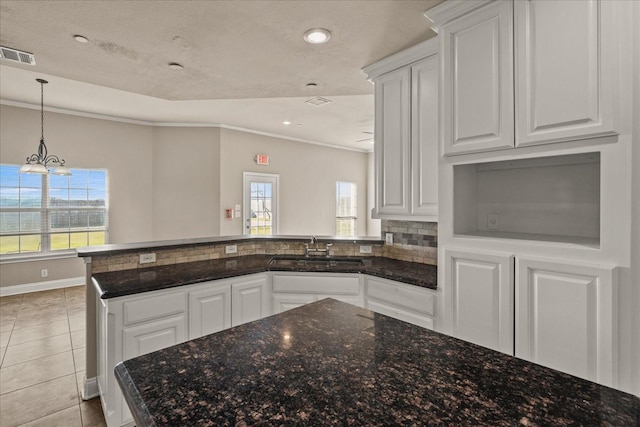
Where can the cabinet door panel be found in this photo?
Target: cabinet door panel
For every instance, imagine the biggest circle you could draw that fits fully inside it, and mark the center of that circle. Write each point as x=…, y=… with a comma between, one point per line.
x=400, y=314
x=250, y=301
x=152, y=336
x=479, y=291
x=477, y=99
x=284, y=302
x=424, y=138
x=565, y=318
x=392, y=142
x=560, y=93
x=209, y=310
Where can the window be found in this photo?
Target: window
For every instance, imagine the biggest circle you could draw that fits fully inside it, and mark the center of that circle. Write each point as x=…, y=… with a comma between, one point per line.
x=346, y=209
x=50, y=213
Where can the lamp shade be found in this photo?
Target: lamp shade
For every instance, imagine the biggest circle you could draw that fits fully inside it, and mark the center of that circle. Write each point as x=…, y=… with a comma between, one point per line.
x=37, y=169
x=61, y=170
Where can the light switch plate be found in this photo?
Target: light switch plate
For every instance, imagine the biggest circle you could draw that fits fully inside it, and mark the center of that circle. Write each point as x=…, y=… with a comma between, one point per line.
x=388, y=238
x=493, y=221
x=231, y=249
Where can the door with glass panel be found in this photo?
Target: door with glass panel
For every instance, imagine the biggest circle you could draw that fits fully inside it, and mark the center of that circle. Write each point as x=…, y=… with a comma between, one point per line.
x=260, y=216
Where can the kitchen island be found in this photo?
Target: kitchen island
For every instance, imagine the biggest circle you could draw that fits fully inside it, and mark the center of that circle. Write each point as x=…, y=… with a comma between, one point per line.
x=331, y=363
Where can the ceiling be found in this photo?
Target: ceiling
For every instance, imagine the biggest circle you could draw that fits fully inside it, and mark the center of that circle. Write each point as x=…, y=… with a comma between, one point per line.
x=245, y=62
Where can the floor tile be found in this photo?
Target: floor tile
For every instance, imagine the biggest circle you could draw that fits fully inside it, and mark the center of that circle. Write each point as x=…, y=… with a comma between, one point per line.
x=78, y=339
x=21, y=353
x=80, y=382
x=32, y=319
x=36, y=371
x=38, y=332
x=2, y=351
x=4, y=338
x=92, y=415
x=32, y=403
x=7, y=322
x=79, y=359
x=76, y=311
x=77, y=322
x=69, y=417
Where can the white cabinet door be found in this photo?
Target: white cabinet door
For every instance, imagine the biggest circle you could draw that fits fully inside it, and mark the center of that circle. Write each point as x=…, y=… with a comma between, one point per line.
x=284, y=302
x=424, y=137
x=565, y=318
x=250, y=300
x=209, y=309
x=479, y=298
x=392, y=142
x=562, y=92
x=477, y=80
x=151, y=336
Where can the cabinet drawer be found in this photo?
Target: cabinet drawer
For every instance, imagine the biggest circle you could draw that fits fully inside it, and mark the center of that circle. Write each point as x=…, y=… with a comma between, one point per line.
x=400, y=314
x=316, y=285
x=417, y=299
x=153, y=307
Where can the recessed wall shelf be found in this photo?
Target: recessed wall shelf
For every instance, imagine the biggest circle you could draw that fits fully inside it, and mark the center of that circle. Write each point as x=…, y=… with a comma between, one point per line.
x=552, y=199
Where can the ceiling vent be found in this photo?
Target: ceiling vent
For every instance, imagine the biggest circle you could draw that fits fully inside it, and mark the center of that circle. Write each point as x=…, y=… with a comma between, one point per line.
x=16, y=55
x=318, y=101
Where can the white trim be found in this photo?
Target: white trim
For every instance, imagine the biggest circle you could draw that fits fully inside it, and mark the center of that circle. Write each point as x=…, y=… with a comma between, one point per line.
x=10, y=259
x=90, y=388
x=41, y=286
x=400, y=59
x=171, y=124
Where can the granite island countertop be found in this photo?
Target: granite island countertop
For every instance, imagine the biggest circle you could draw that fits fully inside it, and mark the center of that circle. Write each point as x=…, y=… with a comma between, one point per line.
x=331, y=363
x=128, y=282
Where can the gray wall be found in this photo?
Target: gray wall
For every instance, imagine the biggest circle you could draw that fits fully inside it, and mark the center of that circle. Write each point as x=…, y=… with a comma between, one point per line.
x=174, y=182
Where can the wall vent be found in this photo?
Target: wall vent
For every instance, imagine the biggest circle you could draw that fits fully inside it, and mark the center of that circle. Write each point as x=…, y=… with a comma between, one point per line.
x=318, y=101
x=16, y=55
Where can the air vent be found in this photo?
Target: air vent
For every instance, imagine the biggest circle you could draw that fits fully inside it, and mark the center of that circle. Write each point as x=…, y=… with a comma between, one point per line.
x=16, y=55
x=318, y=101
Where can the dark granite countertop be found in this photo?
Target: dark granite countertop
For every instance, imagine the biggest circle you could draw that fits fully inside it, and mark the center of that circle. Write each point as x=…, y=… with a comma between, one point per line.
x=331, y=363
x=128, y=282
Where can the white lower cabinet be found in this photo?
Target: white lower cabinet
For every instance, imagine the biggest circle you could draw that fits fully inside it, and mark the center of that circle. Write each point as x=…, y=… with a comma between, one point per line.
x=250, y=299
x=209, y=308
x=131, y=326
x=408, y=303
x=291, y=290
x=479, y=298
x=565, y=318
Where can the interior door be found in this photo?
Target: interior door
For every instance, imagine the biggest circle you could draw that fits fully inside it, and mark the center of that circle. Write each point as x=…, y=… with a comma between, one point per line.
x=260, y=215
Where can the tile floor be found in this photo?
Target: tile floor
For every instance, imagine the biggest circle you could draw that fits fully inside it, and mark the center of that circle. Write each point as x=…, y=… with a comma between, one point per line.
x=42, y=353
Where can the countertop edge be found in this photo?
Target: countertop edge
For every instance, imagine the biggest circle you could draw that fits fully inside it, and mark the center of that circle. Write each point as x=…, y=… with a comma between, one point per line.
x=138, y=408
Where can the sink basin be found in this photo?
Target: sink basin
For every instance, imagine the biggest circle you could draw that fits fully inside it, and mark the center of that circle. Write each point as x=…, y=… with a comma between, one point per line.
x=300, y=261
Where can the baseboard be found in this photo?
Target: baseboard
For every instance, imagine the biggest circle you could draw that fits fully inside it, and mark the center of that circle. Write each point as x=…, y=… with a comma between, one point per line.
x=90, y=388
x=40, y=286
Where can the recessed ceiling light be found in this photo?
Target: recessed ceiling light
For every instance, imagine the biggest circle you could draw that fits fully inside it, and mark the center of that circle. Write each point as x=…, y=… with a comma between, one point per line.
x=81, y=39
x=317, y=36
x=175, y=66
x=286, y=122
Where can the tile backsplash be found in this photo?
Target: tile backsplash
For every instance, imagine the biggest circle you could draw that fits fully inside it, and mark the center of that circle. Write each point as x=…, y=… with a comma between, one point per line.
x=412, y=241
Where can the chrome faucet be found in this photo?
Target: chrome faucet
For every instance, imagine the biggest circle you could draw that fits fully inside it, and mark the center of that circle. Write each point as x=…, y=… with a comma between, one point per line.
x=317, y=250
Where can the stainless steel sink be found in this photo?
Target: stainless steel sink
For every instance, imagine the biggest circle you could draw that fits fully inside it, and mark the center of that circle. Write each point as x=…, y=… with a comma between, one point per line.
x=301, y=261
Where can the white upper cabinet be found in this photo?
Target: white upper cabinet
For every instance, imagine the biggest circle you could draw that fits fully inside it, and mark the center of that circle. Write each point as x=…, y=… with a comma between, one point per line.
x=559, y=56
x=561, y=91
x=406, y=133
x=424, y=137
x=477, y=80
x=392, y=142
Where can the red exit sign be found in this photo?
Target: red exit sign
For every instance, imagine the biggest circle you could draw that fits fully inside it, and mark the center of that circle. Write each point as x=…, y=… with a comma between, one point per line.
x=262, y=159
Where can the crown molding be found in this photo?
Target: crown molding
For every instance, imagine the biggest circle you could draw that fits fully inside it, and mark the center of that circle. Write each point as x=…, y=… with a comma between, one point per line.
x=446, y=12
x=176, y=124
x=400, y=59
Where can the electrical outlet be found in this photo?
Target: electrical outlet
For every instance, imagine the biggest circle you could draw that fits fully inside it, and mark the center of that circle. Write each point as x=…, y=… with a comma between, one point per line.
x=147, y=258
x=365, y=249
x=388, y=238
x=231, y=249
x=493, y=221
x=44, y=272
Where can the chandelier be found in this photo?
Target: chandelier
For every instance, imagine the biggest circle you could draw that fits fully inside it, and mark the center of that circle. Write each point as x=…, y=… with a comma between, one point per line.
x=41, y=162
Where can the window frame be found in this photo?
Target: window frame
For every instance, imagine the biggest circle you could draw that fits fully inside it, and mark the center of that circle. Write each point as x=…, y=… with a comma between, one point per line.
x=47, y=212
x=354, y=209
